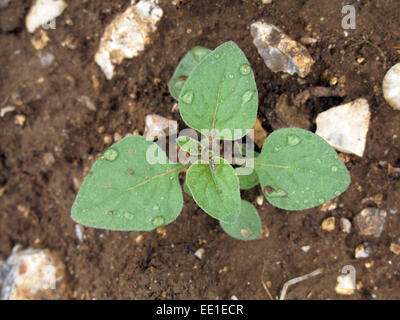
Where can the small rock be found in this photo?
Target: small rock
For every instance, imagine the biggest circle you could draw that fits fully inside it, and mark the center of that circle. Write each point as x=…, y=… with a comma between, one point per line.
x=345, y=285
x=391, y=87
x=308, y=40
x=280, y=53
x=361, y=251
x=79, y=232
x=346, y=225
x=328, y=224
x=305, y=248
x=42, y=12
x=371, y=221
x=6, y=110
x=377, y=199
x=46, y=59
x=20, y=119
x=40, y=41
x=234, y=298
x=260, y=200
x=48, y=159
x=200, y=253
x=395, y=248
x=24, y=210
x=107, y=139
x=87, y=102
x=328, y=206
x=127, y=35
x=33, y=274
x=345, y=127
x=158, y=126
x=139, y=238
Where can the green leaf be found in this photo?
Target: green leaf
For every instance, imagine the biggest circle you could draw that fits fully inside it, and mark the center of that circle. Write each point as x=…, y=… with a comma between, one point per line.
x=298, y=170
x=247, y=226
x=248, y=181
x=186, y=189
x=184, y=69
x=221, y=94
x=216, y=193
x=123, y=191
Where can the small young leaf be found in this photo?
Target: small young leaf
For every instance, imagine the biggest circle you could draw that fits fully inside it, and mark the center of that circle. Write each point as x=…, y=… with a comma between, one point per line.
x=248, y=181
x=247, y=226
x=298, y=170
x=184, y=69
x=190, y=145
x=123, y=191
x=216, y=193
x=221, y=94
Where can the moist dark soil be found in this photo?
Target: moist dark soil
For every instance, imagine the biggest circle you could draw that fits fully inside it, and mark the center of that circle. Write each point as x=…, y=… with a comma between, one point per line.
x=38, y=190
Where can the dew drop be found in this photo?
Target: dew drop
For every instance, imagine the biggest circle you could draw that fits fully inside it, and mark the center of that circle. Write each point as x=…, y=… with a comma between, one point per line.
x=110, y=154
x=180, y=82
x=334, y=169
x=272, y=193
x=188, y=97
x=245, y=69
x=158, y=221
x=305, y=201
x=293, y=140
x=337, y=193
x=231, y=76
x=216, y=56
x=321, y=200
x=128, y=215
x=277, y=149
x=156, y=207
x=199, y=53
x=247, y=96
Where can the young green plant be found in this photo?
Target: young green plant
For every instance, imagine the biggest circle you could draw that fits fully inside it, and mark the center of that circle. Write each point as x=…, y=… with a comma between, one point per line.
x=218, y=97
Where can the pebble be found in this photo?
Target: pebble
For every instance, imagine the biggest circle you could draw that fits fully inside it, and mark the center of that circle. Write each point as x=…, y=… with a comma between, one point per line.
x=362, y=251
x=87, y=102
x=107, y=139
x=234, y=298
x=328, y=206
x=345, y=285
x=157, y=126
x=46, y=59
x=41, y=41
x=280, y=53
x=370, y=221
x=20, y=120
x=391, y=87
x=328, y=224
x=260, y=200
x=48, y=159
x=260, y=134
x=79, y=232
x=127, y=35
x=346, y=225
x=43, y=11
x=305, y=248
x=33, y=274
x=200, y=253
x=345, y=127
x=395, y=248
x=6, y=110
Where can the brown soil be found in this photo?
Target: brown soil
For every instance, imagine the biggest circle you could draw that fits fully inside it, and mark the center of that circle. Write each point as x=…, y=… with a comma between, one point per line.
x=111, y=265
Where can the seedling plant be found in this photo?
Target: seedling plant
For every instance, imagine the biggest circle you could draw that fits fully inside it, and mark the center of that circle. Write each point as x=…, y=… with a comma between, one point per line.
x=217, y=94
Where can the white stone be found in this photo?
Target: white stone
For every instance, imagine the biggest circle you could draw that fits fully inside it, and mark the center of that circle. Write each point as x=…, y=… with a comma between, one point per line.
x=158, y=126
x=33, y=274
x=79, y=232
x=345, y=285
x=391, y=87
x=280, y=53
x=345, y=127
x=200, y=253
x=127, y=35
x=42, y=12
x=305, y=248
x=346, y=225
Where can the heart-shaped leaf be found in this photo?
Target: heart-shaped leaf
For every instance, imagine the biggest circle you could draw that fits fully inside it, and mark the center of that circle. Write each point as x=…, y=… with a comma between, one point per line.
x=247, y=226
x=217, y=193
x=185, y=68
x=298, y=170
x=123, y=191
x=220, y=95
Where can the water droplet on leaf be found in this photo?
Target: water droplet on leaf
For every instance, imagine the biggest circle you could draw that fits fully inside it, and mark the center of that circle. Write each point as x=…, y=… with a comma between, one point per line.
x=188, y=97
x=128, y=215
x=158, y=221
x=293, y=140
x=245, y=69
x=199, y=53
x=180, y=82
x=110, y=154
x=247, y=96
x=156, y=207
x=334, y=169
